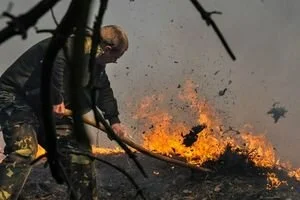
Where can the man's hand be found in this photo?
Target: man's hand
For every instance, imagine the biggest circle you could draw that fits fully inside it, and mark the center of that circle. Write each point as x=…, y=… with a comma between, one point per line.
x=59, y=110
x=119, y=129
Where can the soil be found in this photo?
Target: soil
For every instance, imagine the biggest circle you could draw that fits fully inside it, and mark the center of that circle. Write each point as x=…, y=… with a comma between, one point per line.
x=167, y=182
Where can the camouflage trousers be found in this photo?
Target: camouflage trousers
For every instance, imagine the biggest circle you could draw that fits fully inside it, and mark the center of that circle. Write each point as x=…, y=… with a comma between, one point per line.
x=22, y=133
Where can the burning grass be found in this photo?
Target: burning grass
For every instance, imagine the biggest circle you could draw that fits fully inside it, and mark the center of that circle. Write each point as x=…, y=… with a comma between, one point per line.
x=203, y=141
x=207, y=144
x=95, y=150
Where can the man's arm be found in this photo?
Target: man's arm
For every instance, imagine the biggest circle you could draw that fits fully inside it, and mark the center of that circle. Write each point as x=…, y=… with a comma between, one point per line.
x=105, y=98
x=108, y=103
x=59, y=66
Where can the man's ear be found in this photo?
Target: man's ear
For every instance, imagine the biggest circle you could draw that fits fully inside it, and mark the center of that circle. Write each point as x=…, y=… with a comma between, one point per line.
x=107, y=48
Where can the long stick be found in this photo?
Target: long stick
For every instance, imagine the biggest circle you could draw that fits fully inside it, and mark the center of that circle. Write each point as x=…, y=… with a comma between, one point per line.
x=141, y=149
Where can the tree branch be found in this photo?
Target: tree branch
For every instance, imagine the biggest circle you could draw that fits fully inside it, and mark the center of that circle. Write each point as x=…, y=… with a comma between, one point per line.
x=76, y=78
x=61, y=34
x=19, y=25
x=53, y=17
x=113, y=136
x=206, y=16
x=139, y=190
x=96, y=39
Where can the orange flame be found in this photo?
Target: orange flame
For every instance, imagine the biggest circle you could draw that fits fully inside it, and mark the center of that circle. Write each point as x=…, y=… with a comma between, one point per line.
x=95, y=150
x=165, y=135
x=273, y=181
x=41, y=151
x=261, y=152
x=295, y=174
x=104, y=151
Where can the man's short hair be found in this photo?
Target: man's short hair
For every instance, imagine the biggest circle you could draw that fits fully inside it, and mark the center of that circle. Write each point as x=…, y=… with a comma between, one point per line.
x=114, y=36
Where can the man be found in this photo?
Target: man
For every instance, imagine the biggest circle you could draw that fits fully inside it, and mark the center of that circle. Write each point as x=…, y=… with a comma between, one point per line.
x=20, y=111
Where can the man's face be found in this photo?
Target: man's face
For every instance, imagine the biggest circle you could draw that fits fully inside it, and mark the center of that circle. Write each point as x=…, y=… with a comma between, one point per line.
x=110, y=55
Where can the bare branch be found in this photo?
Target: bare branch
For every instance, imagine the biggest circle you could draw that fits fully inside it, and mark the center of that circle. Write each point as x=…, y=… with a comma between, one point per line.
x=64, y=173
x=139, y=190
x=96, y=35
x=53, y=17
x=206, y=16
x=96, y=38
x=61, y=34
x=8, y=9
x=76, y=78
x=19, y=25
x=113, y=136
x=51, y=31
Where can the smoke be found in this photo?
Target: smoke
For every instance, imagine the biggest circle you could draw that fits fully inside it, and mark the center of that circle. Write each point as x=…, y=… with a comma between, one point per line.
x=170, y=43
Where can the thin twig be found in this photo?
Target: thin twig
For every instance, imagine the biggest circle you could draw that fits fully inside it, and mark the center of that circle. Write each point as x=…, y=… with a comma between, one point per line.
x=112, y=135
x=8, y=9
x=139, y=190
x=50, y=31
x=96, y=39
x=19, y=25
x=64, y=173
x=206, y=16
x=53, y=17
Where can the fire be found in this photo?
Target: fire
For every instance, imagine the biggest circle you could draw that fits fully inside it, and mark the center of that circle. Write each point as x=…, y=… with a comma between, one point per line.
x=273, y=181
x=165, y=135
x=295, y=174
x=102, y=151
x=260, y=151
x=95, y=150
x=41, y=151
